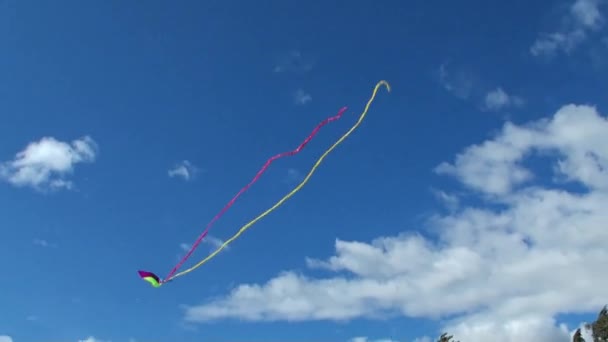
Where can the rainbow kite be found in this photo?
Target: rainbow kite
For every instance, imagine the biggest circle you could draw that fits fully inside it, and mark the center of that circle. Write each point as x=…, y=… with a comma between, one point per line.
x=155, y=281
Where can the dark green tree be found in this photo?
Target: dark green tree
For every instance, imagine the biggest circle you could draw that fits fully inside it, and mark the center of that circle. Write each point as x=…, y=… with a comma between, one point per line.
x=446, y=338
x=599, y=328
x=577, y=336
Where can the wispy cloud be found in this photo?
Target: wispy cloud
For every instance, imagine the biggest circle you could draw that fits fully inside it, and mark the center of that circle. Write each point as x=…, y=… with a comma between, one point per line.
x=213, y=242
x=465, y=84
x=301, y=97
x=498, y=99
x=92, y=339
x=184, y=169
x=44, y=243
x=583, y=17
x=451, y=201
x=293, y=175
x=184, y=246
x=5, y=338
x=45, y=164
x=456, y=81
x=293, y=61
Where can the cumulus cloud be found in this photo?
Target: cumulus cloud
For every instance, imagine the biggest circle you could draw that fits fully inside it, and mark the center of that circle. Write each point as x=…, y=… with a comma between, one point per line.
x=499, y=273
x=184, y=169
x=498, y=99
x=301, y=97
x=45, y=164
x=584, y=16
x=525, y=328
x=5, y=338
x=576, y=133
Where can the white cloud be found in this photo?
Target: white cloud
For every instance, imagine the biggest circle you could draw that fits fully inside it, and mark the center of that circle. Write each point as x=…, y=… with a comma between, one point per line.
x=215, y=242
x=184, y=169
x=525, y=328
x=92, y=339
x=5, y=338
x=577, y=133
x=210, y=240
x=43, y=243
x=498, y=99
x=44, y=164
x=459, y=82
x=587, y=13
x=365, y=339
x=451, y=201
x=503, y=270
x=40, y=242
x=359, y=339
x=293, y=175
x=293, y=61
x=549, y=43
x=301, y=97
x=466, y=85
x=583, y=17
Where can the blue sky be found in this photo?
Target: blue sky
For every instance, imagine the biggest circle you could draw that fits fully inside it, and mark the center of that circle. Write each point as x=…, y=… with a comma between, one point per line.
x=111, y=96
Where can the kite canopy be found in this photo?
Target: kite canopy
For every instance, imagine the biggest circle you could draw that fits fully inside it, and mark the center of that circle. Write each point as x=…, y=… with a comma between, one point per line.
x=150, y=278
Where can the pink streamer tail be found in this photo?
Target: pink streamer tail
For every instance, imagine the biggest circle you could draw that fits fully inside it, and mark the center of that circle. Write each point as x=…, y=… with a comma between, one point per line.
x=255, y=179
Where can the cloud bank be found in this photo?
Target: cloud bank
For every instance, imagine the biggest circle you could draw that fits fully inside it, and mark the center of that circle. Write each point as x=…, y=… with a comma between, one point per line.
x=501, y=270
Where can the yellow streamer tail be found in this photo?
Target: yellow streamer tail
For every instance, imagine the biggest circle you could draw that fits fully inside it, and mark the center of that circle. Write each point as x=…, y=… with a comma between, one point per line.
x=296, y=189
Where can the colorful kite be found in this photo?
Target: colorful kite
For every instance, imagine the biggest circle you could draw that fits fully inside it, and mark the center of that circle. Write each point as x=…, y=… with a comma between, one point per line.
x=150, y=278
x=157, y=282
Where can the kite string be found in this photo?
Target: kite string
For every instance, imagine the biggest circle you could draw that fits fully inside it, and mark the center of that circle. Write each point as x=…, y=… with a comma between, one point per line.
x=296, y=189
x=257, y=176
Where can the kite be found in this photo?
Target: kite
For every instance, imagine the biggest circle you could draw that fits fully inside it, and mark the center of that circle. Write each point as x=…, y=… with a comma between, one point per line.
x=155, y=281
x=150, y=278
